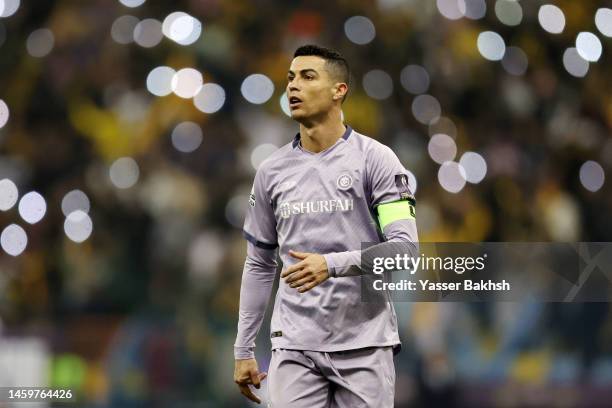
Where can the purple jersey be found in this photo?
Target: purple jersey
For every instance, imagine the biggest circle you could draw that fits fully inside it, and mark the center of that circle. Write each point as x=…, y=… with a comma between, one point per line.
x=323, y=203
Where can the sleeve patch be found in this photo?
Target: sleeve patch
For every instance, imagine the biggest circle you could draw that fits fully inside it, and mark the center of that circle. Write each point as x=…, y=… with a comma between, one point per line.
x=401, y=182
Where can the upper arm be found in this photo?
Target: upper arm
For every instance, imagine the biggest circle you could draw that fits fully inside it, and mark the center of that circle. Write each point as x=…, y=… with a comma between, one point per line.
x=390, y=196
x=260, y=222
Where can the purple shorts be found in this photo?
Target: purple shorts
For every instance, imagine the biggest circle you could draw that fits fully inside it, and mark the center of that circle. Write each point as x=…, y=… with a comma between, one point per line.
x=344, y=379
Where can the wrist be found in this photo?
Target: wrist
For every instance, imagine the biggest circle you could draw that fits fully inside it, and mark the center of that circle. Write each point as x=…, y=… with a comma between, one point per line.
x=331, y=267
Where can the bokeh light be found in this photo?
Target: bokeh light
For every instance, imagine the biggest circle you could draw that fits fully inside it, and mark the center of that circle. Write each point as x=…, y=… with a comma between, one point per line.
x=235, y=210
x=592, y=175
x=132, y=3
x=182, y=28
x=210, y=99
x=515, y=61
x=40, y=42
x=4, y=113
x=261, y=153
x=473, y=9
x=359, y=30
x=449, y=9
x=13, y=239
x=187, y=137
x=147, y=33
x=32, y=207
x=124, y=172
x=78, y=226
x=491, y=45
x=122, y=30
x=257, y=88
x=8, y=194
x=378, y=84
x=159, y=81
x=414, y=79
x=73, y=201
x=441, y=148
x=574, y=63
x=284, y=104
x=187, y=82
x=551, y=18
x=426, y=109
x=9, y=7
x=186, y=30
x=509, y=12
x=603, y=21
x=205, y=256
x=588, y=46
x=451, y=177
x=443, y=125
x=475, y=167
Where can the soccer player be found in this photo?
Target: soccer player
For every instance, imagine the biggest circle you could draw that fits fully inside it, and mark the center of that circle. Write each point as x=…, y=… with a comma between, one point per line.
x=317, y=199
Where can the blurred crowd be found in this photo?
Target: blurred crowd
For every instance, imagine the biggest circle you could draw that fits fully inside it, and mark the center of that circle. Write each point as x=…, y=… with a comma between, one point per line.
x=143, y=312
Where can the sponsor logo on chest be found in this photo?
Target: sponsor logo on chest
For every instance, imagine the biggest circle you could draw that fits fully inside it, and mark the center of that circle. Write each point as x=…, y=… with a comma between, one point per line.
x=319, y=206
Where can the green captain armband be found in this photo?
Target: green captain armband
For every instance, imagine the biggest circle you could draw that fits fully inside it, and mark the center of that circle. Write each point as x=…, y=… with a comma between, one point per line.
x=394, y=211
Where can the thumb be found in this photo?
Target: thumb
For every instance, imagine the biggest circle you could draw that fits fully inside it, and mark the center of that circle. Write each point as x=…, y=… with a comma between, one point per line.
x=297, y=254
x=262, y=376
x=255, y=376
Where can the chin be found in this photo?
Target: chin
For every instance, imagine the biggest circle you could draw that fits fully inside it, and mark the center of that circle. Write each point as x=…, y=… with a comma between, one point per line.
x=298, y=115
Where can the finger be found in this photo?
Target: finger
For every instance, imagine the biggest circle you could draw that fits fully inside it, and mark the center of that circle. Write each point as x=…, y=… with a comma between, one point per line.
x=297, y=275
x=262, y=376
x=255, y=379
x=297, y=254
x=301, y=282
x=291, y=269
x=308, y=286
x=246, y=391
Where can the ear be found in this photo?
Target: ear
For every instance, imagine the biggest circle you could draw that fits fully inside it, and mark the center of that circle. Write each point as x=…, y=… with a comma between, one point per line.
x=340, y=89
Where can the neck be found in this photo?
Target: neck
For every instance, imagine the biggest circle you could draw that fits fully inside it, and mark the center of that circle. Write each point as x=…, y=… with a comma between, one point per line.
x=318, y=136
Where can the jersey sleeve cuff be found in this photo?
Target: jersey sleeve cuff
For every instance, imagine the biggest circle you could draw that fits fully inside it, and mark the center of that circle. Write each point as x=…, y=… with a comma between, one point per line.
x=331, y=265
x=243, y=352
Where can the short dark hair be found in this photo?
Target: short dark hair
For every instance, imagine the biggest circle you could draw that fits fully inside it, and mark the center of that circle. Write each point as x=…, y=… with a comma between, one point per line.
x=336, y=63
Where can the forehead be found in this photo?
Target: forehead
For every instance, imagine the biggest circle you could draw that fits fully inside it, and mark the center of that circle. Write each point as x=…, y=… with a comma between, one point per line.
x=307, y=62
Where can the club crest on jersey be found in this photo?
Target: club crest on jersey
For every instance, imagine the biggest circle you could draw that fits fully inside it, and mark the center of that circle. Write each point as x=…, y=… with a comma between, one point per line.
x=344, y=182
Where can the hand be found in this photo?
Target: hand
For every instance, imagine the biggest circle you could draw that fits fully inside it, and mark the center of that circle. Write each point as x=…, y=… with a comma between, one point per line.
x=246, y=372
x=307, y=273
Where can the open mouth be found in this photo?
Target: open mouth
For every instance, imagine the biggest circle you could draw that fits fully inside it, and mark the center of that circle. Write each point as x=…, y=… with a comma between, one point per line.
x=294, y=102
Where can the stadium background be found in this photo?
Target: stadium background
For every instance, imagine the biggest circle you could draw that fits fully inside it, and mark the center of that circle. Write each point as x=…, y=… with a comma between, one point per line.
x=124, y=183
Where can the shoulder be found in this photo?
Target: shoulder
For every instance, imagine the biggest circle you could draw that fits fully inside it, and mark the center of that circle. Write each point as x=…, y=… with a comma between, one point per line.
x=372, y=150
x=274, y=164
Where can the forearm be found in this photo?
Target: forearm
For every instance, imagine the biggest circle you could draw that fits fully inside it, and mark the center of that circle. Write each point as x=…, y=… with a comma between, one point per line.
x=257, y=281
x=401, y=238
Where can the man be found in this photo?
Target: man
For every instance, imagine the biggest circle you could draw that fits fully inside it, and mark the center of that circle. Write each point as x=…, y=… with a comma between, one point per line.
x=318, y=199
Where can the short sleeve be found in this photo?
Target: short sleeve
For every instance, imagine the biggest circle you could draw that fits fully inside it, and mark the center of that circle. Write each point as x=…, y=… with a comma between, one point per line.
x=387, y=177
x=260, y=223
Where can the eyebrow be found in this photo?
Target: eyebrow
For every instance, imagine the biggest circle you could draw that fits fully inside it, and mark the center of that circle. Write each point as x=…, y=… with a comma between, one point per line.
x=303, y=71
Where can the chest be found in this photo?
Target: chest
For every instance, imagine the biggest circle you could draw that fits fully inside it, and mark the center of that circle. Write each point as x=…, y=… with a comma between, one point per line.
x=317, y=187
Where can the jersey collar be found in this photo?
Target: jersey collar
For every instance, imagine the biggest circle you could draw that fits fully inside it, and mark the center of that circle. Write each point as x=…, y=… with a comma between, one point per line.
x=345, y=136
